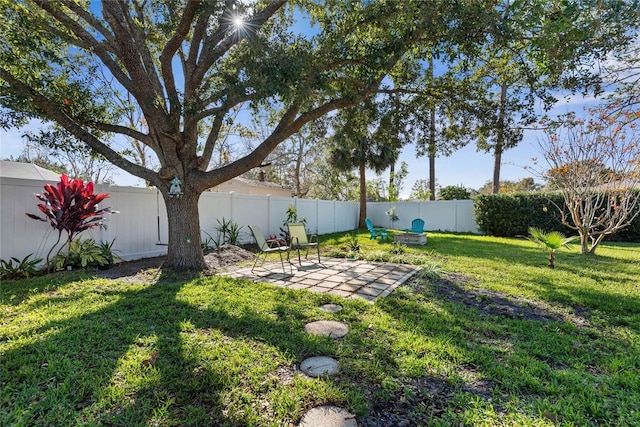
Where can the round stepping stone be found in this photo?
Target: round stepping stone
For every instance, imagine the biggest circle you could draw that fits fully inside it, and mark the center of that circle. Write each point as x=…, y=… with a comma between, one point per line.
x=328, y=416
x=331, y=308
x=328, y=328
x=319, y=365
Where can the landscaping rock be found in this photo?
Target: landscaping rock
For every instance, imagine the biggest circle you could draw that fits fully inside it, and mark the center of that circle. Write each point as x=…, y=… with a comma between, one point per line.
x=328, y=416
x=320, y=365
x=328, y=328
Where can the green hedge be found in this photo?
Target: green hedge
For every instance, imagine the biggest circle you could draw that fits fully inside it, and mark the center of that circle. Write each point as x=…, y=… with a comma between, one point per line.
x=511, y=215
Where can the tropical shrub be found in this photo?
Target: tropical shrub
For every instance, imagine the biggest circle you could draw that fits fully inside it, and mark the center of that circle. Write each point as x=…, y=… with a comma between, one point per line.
x=24, y=268
x=353, y=245
x=209, y=242
x=228, y=232
x=550, y=242
x=109, y=254
x=80, y=254
x=70, y=207
x=393, y=217
x=291, y=216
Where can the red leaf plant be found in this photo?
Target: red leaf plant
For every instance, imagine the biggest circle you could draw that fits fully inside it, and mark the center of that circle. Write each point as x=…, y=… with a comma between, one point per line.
x=70, y=207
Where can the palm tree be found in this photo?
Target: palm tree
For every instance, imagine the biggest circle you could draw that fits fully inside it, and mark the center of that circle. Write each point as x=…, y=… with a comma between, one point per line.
x=549, y=241
x=356, y=145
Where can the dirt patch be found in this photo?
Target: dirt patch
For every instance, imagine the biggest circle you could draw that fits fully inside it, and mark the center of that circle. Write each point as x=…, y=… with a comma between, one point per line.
x=418, y=401
x=150, y=269
x=461, y=290
x=227, y=255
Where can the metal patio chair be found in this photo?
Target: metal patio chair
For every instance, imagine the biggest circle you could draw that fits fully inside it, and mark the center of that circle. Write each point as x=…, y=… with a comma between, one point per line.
x=264, y=248
x=299, y=240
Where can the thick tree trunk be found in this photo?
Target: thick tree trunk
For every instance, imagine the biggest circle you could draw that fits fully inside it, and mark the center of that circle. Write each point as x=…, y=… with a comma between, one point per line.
x=432, y=144
x=432, y=176
x=497, y=163
x=584, y=243
x=392, y=185
x=185, y=249
x=363, y=197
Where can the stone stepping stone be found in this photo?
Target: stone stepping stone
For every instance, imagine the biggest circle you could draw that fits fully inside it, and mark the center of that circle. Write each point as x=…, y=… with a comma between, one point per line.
x=328, y=328
x=331, y=308
x=328, y=416
x=318, y=366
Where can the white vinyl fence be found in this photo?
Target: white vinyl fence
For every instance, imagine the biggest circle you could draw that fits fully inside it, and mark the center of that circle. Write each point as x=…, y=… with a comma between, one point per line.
x=442, y=215
x=140, y=227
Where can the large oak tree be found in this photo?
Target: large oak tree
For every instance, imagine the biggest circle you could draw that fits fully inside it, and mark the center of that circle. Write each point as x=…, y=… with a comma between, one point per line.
x=187, y=66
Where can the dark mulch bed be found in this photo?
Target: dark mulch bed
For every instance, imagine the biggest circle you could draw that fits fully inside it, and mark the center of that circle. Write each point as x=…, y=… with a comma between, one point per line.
x=150, y=269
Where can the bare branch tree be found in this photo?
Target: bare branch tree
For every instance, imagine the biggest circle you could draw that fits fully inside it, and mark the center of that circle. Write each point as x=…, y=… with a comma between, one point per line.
x=595, y=163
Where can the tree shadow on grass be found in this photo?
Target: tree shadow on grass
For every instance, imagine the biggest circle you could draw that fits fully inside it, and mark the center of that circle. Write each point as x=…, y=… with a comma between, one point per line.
x=509, y=346
x=142, y=358
x=614, y=308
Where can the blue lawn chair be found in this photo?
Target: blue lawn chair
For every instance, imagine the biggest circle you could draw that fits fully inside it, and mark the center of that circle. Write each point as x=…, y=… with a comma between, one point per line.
x=417, y=225
x=376, y=231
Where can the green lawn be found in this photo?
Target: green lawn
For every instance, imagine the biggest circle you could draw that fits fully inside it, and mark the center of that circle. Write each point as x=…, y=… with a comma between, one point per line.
x=500, y=340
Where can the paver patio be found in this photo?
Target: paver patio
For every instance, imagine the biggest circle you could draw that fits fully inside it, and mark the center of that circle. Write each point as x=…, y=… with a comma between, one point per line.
x=337, y=276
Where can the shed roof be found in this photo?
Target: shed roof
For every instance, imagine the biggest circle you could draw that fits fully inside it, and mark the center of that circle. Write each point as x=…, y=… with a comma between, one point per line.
x=22, y=170
x=257, y=183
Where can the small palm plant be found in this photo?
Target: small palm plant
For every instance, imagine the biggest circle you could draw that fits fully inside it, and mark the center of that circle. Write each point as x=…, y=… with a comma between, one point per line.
x=549, y=241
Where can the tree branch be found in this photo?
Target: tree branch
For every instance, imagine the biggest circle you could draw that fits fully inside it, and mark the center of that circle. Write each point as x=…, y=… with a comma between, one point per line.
x=123, y=130
x=147, y=91
x=215, y=110
x=55, y=113
x=167, y=55
x=89, y=18
x=87, y=41
x=214, y=48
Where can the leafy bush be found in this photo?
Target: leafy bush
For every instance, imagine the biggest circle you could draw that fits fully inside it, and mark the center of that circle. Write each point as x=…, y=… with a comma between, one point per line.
x=106, y=248
x=228, y=232
x=454, y=192
x=511, y=215
x=380, y=256
x=430, y=271
x=398, y=248
x=353, y=245
x=24, y=268
x=80, y=254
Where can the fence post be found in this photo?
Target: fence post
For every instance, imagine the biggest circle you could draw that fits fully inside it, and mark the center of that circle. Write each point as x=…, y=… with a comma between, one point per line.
x=317, y=216
x=232, y=205
x=455, y=214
